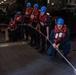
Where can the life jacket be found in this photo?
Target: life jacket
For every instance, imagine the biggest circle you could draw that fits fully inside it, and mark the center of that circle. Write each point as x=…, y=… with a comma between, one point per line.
x=28, y=12
x=43, y=19
x=18, y=18
x=35, y=16
x=12, y=25
x=59, y=35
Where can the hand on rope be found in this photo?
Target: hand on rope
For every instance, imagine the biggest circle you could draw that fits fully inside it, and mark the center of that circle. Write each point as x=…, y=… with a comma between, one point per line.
x=57, y=46
x=39, y=31
x=54, y=45
x=47, y=37
x=30, y=24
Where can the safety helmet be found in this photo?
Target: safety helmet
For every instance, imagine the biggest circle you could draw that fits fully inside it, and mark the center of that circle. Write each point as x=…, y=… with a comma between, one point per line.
x=36, y=6
x=18, y=13
x=60, y=21
x=43, y=9
x=28, y=4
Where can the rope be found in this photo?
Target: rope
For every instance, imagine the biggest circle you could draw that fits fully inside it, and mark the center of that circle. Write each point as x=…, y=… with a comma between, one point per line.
x=55, y=48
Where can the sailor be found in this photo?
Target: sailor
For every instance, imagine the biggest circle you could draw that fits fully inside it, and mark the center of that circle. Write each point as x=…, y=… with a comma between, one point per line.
x=59, y=38
x=34, y=19
x=19, y=20
x=27, y=15
x=44, y=21
x=11, y=30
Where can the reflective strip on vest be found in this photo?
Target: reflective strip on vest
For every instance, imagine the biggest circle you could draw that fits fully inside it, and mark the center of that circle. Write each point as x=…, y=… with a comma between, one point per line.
x=58, y=35
x=42, y=23
x=32, y=16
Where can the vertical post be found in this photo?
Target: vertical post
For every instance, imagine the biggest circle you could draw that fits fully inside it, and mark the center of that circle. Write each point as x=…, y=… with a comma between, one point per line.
x=6, y=35
x=69, y=1
x=48, y=1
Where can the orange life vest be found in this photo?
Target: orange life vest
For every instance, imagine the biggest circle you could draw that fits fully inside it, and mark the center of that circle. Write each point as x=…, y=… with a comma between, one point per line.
x=28, y=12
x=18, y=18
x=43, y=19
x=59, y=35
x=12, y=25
x=34, y=16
